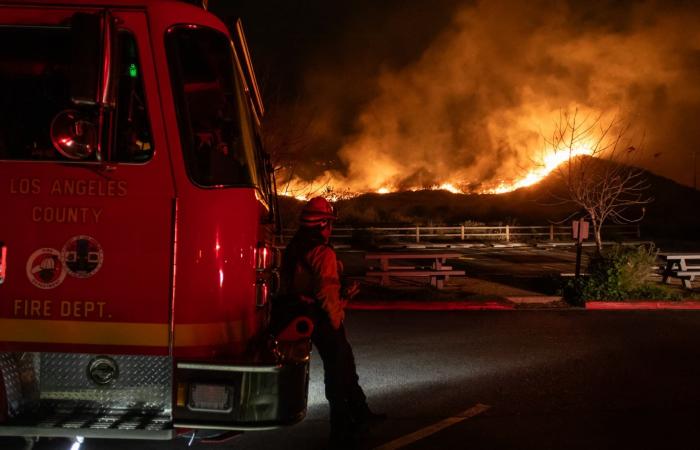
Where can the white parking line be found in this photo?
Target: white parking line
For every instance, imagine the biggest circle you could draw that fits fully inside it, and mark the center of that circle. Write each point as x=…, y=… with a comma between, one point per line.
x=432, y=429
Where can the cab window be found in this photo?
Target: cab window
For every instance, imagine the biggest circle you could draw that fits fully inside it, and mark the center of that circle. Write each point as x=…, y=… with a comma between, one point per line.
x=215, y=130
x=35, y=94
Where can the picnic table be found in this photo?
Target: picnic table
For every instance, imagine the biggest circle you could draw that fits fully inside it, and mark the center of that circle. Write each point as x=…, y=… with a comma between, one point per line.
x=685, y=266
x=434, y=268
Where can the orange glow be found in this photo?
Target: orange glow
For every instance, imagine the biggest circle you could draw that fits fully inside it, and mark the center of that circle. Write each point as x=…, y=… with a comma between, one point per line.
x=449, y=187
x=304, y=191
x=550, y=162
x=380, y=181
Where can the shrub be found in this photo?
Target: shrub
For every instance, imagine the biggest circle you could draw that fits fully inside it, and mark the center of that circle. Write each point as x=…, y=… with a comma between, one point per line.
x=619, y=273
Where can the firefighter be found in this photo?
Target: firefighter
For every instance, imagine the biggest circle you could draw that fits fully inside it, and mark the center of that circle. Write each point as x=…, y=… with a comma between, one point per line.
x=311, y=276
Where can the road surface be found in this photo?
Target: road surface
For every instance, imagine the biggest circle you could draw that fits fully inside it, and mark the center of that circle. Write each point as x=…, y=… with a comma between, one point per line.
x=508, y=380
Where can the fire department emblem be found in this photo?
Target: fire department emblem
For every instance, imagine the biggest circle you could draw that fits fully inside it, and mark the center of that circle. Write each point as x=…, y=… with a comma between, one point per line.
x=83, y=256
x=45, y=268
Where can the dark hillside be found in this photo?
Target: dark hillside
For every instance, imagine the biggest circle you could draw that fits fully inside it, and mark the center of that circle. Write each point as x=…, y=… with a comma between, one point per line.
x=675, y=211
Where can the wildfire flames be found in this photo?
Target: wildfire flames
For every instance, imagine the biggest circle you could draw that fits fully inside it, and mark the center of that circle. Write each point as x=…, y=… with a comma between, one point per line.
x=550, y=163
x=334, y=190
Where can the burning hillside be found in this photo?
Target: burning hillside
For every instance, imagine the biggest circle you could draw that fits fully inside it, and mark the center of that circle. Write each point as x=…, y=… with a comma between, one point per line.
x=570, y=140
x=325, y=186
x=469, y=113
x=667, y=216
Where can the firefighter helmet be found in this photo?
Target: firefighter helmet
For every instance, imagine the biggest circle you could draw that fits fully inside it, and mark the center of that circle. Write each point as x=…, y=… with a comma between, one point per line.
x=316, y=212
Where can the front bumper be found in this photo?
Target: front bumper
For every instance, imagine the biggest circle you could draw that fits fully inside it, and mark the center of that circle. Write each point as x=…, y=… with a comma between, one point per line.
x=263, y=396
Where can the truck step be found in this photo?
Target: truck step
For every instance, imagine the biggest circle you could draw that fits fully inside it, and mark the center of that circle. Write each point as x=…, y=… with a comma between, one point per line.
x=64, y=420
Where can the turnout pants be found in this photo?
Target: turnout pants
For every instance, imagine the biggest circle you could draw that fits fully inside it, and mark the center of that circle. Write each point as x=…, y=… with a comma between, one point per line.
x=343, y=390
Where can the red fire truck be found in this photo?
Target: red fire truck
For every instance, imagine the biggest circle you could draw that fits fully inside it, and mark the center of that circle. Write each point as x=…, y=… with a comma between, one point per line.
x=136, y=228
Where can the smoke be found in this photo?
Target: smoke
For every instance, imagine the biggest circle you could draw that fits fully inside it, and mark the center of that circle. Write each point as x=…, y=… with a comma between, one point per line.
x=474, y=105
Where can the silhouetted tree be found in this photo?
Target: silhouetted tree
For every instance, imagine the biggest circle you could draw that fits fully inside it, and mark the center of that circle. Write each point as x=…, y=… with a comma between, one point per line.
x=597, y=175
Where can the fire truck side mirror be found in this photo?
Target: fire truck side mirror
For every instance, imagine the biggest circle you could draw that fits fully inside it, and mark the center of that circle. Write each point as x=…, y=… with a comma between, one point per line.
x=93, y=37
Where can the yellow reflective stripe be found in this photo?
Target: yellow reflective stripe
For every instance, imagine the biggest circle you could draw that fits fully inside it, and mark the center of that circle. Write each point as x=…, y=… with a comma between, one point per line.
x=119, y=333
x=212, y=333
x=91, y=333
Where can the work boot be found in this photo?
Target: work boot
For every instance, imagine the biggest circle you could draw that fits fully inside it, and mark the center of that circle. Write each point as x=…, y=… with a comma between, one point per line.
x=341, y=441
x=342, y=432
x=364, y=419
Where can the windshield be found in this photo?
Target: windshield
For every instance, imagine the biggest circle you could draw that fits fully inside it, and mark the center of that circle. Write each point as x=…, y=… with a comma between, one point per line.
x=217, y=138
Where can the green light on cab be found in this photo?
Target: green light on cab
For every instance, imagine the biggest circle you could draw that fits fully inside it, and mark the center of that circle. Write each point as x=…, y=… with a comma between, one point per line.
x=133, y=71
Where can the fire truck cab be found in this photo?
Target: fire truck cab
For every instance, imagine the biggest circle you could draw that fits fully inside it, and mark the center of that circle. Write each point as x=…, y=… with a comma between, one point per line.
x=138, y=217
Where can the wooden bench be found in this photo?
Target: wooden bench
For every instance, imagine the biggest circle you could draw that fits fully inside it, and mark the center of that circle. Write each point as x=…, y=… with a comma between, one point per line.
x=436, y=270
x=685, y=266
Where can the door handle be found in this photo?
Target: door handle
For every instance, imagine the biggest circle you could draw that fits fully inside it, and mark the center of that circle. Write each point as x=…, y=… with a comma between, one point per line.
x=3, y=262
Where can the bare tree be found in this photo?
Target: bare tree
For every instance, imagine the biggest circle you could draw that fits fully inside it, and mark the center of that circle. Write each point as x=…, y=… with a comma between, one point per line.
x=287, y=138
x=597, y=175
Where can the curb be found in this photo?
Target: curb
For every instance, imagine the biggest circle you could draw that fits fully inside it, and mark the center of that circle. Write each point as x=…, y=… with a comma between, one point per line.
x=645, y=305
x=533, y=300
x=413, y=305
x=515, y=303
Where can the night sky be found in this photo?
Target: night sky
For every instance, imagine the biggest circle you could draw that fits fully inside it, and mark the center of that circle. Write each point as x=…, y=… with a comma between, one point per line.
x=412, y=92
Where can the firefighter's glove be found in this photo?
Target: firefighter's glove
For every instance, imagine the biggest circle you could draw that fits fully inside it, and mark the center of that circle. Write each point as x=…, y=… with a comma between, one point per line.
x=337, y=319
x=350, y=290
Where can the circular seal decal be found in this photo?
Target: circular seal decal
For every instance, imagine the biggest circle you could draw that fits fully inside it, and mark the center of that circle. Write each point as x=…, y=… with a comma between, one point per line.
x=45, y=268
x=83, y=256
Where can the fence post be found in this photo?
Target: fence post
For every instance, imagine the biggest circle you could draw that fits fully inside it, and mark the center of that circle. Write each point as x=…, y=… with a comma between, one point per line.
x=462, y=231
x=417, y=233
x=551, y=231
x=507, y=233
